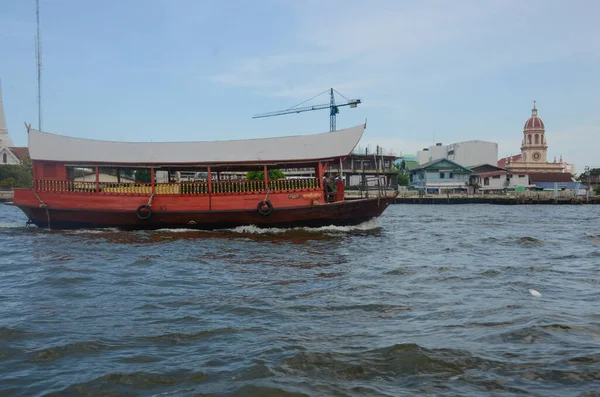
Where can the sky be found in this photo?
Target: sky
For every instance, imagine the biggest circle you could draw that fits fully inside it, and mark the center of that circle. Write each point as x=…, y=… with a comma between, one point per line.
x=426, y=71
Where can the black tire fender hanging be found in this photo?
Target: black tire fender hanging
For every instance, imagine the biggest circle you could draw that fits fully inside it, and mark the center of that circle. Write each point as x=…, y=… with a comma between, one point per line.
x=143, y=215
x=265, y=208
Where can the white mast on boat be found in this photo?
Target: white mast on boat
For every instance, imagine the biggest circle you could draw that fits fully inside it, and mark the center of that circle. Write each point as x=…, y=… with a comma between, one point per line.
x=38, y=57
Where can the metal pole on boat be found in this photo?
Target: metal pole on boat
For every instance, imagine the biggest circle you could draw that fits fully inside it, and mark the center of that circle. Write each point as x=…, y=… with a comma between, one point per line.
x=38, y=57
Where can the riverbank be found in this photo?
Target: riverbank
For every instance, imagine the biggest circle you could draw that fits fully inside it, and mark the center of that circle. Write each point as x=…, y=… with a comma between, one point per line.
x=500, y=200
x=6, y=195
x=512, y=198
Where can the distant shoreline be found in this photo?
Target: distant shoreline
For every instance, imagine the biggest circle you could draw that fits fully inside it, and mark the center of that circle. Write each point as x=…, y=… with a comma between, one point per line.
x=498, y=200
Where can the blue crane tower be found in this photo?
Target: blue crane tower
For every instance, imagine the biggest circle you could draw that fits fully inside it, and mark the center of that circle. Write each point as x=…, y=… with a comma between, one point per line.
x=333, y=108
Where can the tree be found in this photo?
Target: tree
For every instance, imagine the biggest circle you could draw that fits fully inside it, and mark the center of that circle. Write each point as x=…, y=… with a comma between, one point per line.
x=127, y=173
x=27, y=166
x=403, y=179
x=142, y=175
x=402, y=174
x=20, y=175
x=8, y=182
x=592, y=172
x=260, y=175
x=597, y=190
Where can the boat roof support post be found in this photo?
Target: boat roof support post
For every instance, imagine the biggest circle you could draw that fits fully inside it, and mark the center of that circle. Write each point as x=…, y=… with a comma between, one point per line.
x=152, y=182
x=118, y=175
x=33, y=166
x=209, y=180
x=97, y=179
x=266, y=172
x=319, y=174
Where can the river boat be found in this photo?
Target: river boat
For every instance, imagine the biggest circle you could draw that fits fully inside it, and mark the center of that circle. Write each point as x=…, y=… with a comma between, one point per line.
x=58, y=199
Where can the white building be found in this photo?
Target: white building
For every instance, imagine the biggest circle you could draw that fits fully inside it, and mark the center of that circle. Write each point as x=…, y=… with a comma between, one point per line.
x=467, y=153
x=488, y=178
x=496, y=181
x=8, y=153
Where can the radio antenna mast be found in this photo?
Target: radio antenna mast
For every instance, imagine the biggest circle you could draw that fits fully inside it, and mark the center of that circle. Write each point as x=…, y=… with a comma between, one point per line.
x=38, y=57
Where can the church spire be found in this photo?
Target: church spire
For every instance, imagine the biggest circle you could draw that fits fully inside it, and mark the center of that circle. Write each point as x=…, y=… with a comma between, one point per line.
x=534, y=110
x=4, y=138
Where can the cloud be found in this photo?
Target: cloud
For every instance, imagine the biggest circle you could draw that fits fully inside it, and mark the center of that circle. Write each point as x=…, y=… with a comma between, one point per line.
x=397, y=45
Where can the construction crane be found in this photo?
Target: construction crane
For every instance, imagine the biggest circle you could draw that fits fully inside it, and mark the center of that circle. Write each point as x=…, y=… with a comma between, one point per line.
x=333, y=108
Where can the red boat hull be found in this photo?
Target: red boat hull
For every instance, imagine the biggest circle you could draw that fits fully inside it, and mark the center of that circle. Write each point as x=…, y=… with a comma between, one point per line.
x=339, y=213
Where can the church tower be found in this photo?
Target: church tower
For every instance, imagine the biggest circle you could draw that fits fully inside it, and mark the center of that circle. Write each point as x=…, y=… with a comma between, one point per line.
x=534, y=150
x=4, y=138
x=534, y=147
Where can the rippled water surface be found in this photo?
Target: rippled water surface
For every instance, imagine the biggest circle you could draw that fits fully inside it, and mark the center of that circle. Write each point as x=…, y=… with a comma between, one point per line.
x=428, y=299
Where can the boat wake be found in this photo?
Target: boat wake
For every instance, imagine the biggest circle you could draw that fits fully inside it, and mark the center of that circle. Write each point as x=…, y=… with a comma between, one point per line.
x=252, y=229
x=372, y=224
x=92, y=231
x=15, y=225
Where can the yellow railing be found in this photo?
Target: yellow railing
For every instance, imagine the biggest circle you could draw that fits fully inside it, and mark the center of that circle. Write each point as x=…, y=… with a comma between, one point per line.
x=186, y=188
x=238, y=187
x=90, y=187
x=183, y=188
x=125, y=188
x=65, y=186
x=293, y=184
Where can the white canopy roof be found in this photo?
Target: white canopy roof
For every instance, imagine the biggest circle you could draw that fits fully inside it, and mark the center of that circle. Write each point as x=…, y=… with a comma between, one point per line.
x=289, y=149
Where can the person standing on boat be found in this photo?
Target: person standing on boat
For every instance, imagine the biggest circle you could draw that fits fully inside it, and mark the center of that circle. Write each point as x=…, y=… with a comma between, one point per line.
x=329, y=188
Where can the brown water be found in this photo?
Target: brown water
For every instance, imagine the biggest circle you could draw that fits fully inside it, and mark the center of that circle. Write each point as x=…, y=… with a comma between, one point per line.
x=427, y=300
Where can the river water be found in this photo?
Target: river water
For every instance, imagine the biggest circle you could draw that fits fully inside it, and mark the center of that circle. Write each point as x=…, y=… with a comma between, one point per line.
x=426, y=300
